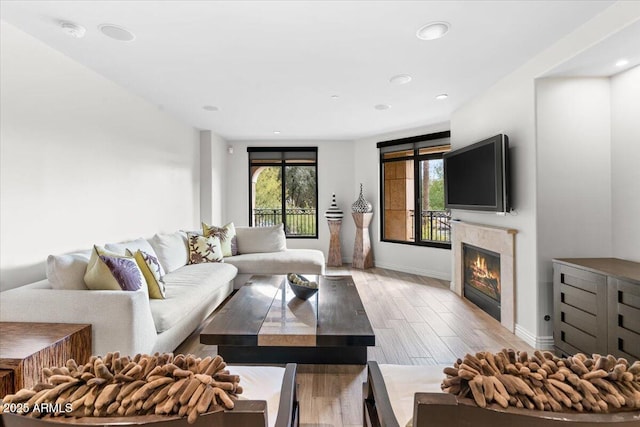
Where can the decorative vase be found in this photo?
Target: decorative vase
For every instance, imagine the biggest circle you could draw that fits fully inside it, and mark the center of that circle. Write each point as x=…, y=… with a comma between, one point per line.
x=361, y=205
x=333, y=213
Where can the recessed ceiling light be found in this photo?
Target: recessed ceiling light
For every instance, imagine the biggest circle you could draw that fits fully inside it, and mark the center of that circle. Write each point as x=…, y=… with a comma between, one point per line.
x=622, y=62
x=400, y=79
x=442, y=96
x=382, y=106
x=210, y=108
x=116, y=32
x=74, y=30
x=335, y=96
x=433, y=30
x=276, y=132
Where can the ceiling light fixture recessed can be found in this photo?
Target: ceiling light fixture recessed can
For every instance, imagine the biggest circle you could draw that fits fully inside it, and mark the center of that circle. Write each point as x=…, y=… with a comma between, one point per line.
x=400, y=79
x=117, y=32
x=442, y=96
x=73, y=30
x=433, y=30
x=210, y=108
x=622, y=62
x=335, y=96
x=276, y=132
x=382, y=107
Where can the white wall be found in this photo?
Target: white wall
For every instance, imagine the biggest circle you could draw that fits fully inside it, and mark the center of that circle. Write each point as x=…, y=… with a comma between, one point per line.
x=213, y=160
x=335, y=175
x=433, y=262
x=82, y=160
x=573, y=176
x=509, y=107
x=625, y=164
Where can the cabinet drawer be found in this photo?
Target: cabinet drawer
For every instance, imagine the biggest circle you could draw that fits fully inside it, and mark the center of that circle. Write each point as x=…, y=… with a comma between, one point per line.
x=576, y=338
x=629, y=318
x=579, y=319
x=628, y=344
x=578, y=298
x=581, y=279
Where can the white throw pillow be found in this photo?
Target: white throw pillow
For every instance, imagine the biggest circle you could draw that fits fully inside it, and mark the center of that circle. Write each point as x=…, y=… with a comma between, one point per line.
x=261, y=239
x=171, y=250
x=66, y=271
x=139, y=244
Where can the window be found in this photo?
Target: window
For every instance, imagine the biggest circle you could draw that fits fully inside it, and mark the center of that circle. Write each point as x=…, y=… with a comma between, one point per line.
x=283, y=188
x=412, y=191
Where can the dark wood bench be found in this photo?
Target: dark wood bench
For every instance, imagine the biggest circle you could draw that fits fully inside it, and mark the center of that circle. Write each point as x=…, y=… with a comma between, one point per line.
x=447, y=410
x=247, y=413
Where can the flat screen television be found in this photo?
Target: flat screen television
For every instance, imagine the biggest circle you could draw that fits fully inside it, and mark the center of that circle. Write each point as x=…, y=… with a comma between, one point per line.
x=476, y=177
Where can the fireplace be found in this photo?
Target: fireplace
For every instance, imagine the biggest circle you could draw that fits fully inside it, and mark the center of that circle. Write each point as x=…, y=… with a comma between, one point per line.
x=481, y=278
x=499, y=240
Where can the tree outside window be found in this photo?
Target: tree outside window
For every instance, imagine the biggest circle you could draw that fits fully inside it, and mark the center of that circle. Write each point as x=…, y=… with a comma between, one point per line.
x=291, y=201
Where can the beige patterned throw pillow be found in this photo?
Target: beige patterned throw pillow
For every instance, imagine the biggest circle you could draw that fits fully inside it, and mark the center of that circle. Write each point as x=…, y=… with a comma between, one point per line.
x=227, y=236
x=204, y=249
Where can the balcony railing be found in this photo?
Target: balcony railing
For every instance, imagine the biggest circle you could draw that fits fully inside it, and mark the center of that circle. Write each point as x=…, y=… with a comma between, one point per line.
x=299, y=221
x=436, y=226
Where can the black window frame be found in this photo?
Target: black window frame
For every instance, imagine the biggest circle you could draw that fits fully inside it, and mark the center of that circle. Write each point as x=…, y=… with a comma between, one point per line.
x=414, y=143
x=282, y=163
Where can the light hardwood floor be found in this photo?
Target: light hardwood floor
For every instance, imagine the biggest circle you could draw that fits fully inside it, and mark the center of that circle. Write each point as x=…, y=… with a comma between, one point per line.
x=417, y=321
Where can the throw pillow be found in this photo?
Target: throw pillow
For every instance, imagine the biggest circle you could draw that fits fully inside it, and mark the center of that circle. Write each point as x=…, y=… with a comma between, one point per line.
x=227, y=236
x=261, y=239
x=66, y=271
x=152, y=272
x=204, y=249
x=106, y=272
x=171, y=250
x=139, y=244
x=125, y=271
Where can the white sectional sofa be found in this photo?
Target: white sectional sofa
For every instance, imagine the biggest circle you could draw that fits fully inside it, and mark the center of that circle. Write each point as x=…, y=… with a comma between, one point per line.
x=132, y=323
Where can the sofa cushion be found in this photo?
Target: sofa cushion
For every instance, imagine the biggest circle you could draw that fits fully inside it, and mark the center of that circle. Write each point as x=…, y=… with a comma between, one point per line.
x=403, y=382
x=66, y=271
x=261, y=383
x=204, y=249
x=309, y=261
x=186, y=288
x=139, y=244
x=261, y=239
x=171, y=250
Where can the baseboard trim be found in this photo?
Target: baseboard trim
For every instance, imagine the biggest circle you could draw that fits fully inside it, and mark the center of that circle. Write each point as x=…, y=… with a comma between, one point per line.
x=412, y=270
x=537, y=342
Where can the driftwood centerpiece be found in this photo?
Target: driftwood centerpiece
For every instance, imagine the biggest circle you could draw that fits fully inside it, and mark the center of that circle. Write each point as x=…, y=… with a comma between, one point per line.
x=162, y=384
x=546, y=382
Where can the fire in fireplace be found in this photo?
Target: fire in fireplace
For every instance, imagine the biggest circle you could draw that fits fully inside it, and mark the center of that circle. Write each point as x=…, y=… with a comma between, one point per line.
x=482, y=278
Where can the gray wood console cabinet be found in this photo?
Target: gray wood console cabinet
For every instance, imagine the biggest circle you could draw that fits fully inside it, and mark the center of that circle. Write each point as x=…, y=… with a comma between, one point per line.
x=596, y=305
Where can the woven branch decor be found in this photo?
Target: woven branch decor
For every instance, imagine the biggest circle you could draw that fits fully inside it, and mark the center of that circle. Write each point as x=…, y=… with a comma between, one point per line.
x=546, y=382
x=161, y=384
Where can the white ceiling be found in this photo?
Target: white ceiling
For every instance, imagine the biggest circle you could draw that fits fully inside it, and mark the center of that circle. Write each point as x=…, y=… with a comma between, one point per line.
x=274, y=65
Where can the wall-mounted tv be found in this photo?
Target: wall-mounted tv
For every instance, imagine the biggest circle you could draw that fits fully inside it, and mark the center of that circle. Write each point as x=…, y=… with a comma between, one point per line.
x=476, y=177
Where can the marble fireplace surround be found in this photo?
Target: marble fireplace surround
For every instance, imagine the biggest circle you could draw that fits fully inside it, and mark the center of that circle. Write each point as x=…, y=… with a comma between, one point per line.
x=496, y=239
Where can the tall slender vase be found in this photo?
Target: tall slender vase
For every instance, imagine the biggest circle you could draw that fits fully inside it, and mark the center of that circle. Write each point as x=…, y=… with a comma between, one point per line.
x=362, y=212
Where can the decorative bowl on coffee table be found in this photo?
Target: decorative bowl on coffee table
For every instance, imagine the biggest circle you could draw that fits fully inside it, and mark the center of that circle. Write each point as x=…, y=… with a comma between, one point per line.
x=304, y=289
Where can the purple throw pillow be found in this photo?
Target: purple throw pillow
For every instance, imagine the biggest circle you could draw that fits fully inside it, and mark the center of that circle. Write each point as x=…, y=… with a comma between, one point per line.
x=125, y=271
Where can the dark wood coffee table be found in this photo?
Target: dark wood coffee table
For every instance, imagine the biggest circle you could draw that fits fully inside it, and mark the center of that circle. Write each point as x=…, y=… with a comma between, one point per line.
x=265, y=323
x=26, y=348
